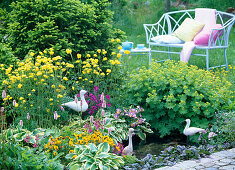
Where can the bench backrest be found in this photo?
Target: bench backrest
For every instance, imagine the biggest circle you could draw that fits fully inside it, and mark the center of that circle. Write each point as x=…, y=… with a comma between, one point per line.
x=170, y=21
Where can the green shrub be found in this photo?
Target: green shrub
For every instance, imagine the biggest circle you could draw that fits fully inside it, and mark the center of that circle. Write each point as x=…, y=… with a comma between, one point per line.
x=172, y=92
x=34, y=24
x=14, y=156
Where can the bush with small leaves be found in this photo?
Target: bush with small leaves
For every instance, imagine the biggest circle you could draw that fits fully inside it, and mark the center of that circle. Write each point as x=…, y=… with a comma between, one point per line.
x=174, y=91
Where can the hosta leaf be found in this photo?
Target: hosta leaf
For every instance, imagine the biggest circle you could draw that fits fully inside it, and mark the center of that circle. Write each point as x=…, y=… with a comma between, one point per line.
x=93, y=148
x=75, y=167
x=88, y=165
x=141, y=135
x=94, y=166
x=104, y=147
x=102, y=155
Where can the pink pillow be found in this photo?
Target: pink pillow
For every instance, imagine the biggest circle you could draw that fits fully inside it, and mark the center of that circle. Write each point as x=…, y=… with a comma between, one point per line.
x=202, y=37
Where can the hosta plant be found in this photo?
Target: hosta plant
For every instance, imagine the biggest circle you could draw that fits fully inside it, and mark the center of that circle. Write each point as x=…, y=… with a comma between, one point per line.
x=174, y=91
x=94, y=157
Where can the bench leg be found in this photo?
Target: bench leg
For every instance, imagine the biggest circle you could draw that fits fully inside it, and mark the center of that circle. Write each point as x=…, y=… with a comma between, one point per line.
x=207, y=59
x=225, y=57
x=169, y=50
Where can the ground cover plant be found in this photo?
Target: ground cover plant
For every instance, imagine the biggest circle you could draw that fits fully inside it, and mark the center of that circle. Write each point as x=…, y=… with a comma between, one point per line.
x=38, y=133
x=172, y=92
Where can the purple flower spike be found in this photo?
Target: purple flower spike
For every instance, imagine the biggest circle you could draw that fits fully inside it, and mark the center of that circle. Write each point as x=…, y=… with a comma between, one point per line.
x=107, y=97
x=96, y=89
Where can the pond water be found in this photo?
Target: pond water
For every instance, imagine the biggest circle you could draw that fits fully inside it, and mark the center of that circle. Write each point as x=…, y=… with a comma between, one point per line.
x=152, y=148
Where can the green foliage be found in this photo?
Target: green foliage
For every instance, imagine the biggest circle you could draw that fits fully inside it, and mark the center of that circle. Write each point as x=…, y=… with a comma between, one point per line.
x=221, y=131
x=216, y=4
x=14, y=156
x=6, y=55
x=94, y=157
x=172, y=92
x=59, y=24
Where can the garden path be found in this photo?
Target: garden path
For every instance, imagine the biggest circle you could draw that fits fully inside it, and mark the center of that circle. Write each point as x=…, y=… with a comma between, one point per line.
x=223, y=160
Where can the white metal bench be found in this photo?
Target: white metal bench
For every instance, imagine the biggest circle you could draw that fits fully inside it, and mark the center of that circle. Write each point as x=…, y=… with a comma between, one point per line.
x=170, y=21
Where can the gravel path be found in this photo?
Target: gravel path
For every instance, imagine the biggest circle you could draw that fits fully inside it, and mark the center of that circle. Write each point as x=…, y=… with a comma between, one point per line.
x=223, y=160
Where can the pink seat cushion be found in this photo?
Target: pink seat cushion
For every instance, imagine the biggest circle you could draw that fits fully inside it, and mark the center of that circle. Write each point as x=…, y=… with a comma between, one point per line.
x=202, y=37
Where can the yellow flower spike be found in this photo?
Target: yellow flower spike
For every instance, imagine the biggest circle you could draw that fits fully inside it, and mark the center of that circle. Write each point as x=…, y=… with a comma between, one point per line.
x=73, y=88
x=45, y=51
x=113, y=53
x=53, y=86
x=112, y=40
x=16, y=105
x=29, y=94
x=50, y=99
x=65, y=78
x=19, y=85
x=79, y=56
x=95, y=55
x=105, y=58
x=99, y=50
x=120, y=47
x=119, y=55
x=118, y=40
x=104, y=52
x=88, y=55
x=51, y=52
x=32, y=54
x=68, y=51
x=21, y=98
x=90, y=81
x=79, y=78
x=55, y=153
x=102, y=74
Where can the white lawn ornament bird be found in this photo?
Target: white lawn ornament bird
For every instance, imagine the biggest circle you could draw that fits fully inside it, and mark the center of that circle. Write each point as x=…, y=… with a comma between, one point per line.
x=189, y=131
x=128, y=150
x=79, y=105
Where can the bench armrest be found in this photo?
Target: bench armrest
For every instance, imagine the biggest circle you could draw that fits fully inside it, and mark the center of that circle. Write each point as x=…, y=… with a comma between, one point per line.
x=219, y=37
x=153, y=30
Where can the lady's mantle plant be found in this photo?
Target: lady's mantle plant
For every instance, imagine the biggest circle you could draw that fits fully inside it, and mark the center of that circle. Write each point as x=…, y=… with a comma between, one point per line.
x=172, y=92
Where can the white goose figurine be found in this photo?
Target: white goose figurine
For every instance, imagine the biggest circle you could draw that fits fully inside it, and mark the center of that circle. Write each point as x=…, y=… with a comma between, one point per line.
x=78, y=106
x=128, y=150
x=189, y=131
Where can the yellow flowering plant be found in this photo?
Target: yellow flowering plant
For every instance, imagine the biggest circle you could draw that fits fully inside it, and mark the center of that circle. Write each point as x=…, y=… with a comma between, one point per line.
x=37, y=87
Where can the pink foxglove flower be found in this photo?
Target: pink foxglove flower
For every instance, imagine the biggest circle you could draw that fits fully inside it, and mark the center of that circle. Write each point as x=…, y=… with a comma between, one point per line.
x=104, y=121
x=55, y=115
x=102, y=97
x=76, y=99
x=109, y=131
x=103, y=104
x=61, y=108
x=91, y=119
x=4, y=95
x=102, y=112
x=28, y=117
x=14, y=102
x=21, y=122
x=2, y=109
